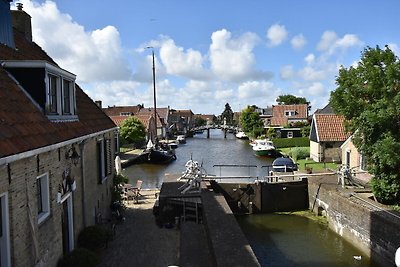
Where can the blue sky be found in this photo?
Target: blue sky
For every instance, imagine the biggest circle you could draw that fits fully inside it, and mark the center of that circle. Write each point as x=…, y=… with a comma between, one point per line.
x=209, y=53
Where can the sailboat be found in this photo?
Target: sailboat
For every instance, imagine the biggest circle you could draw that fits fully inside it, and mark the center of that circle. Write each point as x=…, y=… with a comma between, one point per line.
x=155, y=154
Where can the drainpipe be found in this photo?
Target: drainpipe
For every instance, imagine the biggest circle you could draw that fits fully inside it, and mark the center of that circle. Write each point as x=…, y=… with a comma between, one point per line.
x=81, y=148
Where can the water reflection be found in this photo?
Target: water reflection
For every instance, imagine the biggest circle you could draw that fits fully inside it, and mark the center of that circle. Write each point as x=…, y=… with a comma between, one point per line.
x=291, y=240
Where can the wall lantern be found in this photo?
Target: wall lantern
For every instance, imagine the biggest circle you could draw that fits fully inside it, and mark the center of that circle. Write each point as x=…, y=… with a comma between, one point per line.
x=73, y=155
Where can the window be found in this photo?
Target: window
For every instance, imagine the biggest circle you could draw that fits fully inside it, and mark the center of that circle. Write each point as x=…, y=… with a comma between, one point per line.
x=60, y=103
x=289, y=113
x=289, y=134
x=348, y=153
x=125, y=113
x=104, y=158
x=67, y=97
x=52, y=100
x=43, y=197
x=363, y=162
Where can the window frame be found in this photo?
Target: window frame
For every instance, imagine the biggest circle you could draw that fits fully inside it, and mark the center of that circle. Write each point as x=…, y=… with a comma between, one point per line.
x=68, y=107
x=290, y=113
x=104, y=159
x=65, y=98
x=43, y=196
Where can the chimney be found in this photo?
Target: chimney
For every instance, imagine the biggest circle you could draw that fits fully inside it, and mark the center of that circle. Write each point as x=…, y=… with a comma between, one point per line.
x=6, y=30
x=98, y=103
x=22, y=22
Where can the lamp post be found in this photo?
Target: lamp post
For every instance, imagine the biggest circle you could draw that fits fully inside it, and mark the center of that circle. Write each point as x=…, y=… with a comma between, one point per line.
x=154, y=94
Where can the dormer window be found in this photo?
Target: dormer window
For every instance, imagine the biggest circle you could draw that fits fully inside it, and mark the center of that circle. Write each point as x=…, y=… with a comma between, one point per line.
x=51, y=88
x=290, y=113
x=60, y=96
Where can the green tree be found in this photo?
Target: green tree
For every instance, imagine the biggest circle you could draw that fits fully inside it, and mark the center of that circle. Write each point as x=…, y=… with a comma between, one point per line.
x=198, y=121
x=368, y=96
x=251, y=122
x=133, y=131
x=291, y=100
x=227, y=114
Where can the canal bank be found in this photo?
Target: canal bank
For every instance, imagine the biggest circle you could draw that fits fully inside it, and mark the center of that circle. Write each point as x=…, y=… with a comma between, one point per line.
x=351, y=213
x=218, y=150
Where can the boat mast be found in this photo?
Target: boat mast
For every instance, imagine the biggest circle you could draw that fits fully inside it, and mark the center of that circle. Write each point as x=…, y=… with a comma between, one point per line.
x=154, y=96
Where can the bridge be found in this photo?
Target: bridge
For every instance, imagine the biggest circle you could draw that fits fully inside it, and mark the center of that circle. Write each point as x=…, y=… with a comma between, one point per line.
x=225, y=128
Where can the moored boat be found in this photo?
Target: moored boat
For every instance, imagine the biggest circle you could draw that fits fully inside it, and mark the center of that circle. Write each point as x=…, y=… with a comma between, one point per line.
x=241, y=135
x=263, y=147
x=181, y=139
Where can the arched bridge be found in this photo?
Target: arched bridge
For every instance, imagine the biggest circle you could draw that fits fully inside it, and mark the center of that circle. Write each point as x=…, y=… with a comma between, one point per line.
x=225, y=128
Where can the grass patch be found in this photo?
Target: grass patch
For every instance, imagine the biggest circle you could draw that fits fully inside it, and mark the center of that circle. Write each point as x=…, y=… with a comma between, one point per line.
x=316, y=166
x=126, y=148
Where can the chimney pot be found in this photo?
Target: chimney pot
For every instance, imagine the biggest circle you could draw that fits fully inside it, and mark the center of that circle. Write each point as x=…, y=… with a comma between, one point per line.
x=19, y=6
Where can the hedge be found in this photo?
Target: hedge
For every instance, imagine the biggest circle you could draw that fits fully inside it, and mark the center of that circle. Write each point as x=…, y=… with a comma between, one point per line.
x=291, y=142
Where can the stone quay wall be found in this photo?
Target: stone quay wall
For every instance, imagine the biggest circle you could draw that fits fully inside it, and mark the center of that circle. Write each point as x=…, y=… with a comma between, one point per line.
x=364, y=223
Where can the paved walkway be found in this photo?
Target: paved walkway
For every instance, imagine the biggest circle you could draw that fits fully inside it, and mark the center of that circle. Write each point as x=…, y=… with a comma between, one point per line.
x=139, y=241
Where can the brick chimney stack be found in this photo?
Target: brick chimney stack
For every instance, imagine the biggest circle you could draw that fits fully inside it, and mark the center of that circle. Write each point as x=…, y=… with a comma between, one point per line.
x=98, y=103
x=22, y=21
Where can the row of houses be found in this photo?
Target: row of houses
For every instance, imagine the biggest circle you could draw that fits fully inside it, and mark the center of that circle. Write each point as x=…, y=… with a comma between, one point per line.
x=57, y=147
x=168, y=120
x=329, y=140
x=57, y=150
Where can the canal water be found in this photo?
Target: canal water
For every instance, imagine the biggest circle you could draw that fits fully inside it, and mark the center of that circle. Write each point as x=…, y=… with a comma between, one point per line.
x=277, y=239
x=209, y=152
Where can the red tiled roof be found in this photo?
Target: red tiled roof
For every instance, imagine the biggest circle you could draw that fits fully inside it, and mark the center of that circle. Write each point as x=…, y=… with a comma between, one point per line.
x=278, y=113
x=162, y=114
x=23, y=126
x=145, y=119
x=330, y=127
x=117, y=110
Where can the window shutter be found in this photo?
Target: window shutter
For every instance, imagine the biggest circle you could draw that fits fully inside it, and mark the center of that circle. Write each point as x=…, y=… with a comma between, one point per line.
x=108, y=156
x=99, y=162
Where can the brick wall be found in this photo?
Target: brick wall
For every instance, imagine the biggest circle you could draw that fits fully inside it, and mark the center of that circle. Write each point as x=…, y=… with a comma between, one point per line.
x=31, y=243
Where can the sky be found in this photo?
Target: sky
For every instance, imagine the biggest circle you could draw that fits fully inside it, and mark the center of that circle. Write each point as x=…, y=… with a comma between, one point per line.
x=209, y=53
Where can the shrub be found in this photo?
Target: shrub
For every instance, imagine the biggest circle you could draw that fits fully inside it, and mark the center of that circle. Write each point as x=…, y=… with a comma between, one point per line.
x=94, y=237
x=299, y=153
x=387, y=190
x=291, y=142
x=79, y=257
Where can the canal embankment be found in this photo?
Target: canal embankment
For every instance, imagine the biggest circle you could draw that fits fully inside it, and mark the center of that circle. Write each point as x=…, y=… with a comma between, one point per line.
x=214, y=228
x=130, y=157
x=370, y=226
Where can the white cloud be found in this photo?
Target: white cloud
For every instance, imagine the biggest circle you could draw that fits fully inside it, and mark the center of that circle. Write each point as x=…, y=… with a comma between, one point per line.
x=395, y=48
x=287, y=72
x=330, y=42
x=178, y=62
x=316, y=89
x=255, y=89
x=93, y=56
x=309, y=59
x=298, y=42
x=276, y=34
x=311, y=74
x=232, y=59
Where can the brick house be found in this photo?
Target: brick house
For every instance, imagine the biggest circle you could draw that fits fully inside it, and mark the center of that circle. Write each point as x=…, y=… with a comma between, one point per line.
x=327, y=134
x=355, y=160
x=281, y=116
x=56, y=151
x=181, y=120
